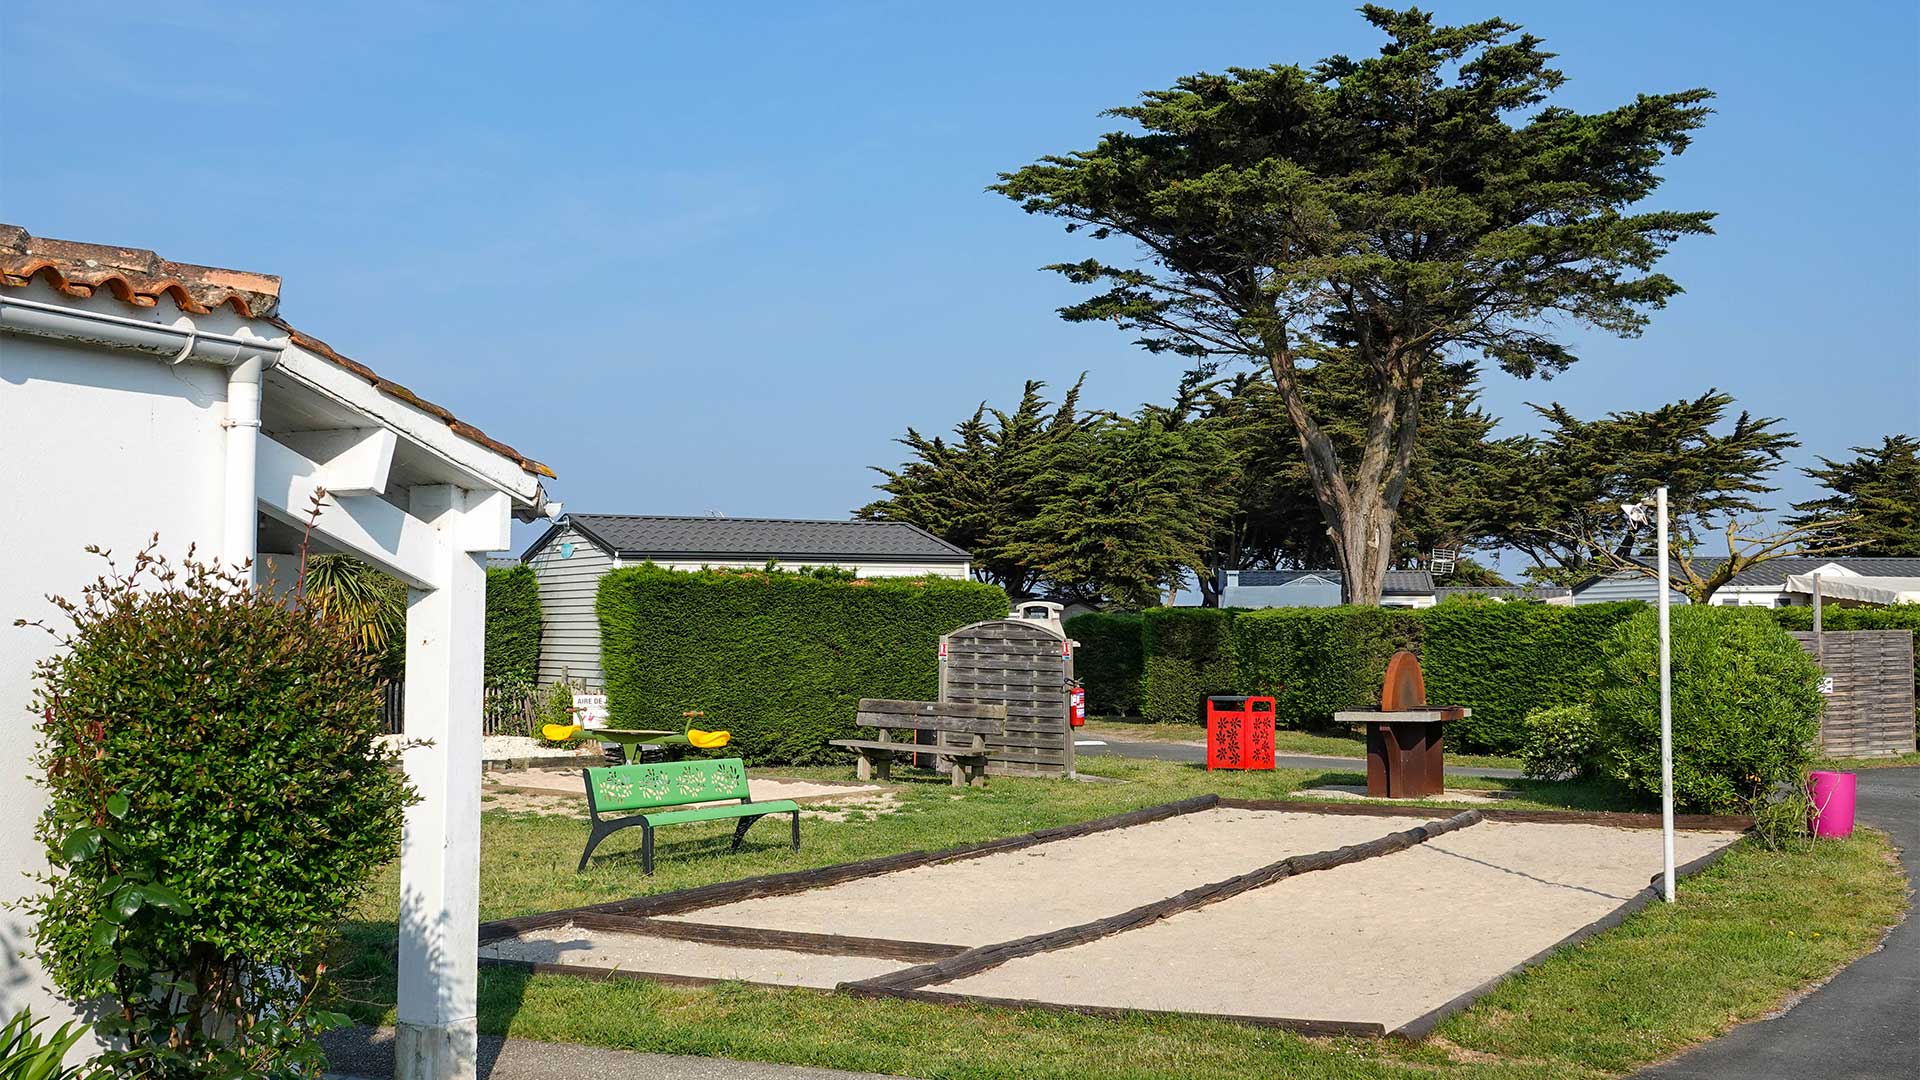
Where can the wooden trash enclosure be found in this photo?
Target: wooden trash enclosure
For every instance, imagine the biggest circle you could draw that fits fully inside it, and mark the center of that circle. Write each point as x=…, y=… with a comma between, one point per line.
x=1870, y=704
x=1025, y=666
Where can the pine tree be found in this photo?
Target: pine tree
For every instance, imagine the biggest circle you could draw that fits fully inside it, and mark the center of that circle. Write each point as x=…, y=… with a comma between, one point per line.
x=1874, y=505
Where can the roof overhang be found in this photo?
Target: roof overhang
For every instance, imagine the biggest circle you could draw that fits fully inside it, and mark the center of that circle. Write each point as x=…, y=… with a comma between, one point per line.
x=314, y=401
x=1857, y=588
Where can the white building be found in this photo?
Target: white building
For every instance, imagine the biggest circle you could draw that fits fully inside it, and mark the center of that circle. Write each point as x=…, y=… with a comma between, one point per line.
x=571, y=557
x=1317, y=588
x=1765, y=585
x=140, y=396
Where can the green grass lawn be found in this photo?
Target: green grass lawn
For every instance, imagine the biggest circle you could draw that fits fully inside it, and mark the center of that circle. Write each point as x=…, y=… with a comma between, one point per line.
x=1285, y=741
x=1747, y=932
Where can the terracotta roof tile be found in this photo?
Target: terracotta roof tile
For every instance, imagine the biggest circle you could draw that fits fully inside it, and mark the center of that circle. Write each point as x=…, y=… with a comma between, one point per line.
x=139, y=277
x=133, y=275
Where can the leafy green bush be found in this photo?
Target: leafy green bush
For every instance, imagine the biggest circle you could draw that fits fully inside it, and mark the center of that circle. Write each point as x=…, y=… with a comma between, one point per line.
x=1107, y=660
x=218, y=799
x=513, y=626
x=779, y=659
x=1188, y=655
x=1746, y=708
x=1559, y=742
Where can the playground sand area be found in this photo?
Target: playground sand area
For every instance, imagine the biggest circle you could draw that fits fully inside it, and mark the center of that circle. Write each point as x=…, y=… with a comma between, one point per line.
x=1324, y=918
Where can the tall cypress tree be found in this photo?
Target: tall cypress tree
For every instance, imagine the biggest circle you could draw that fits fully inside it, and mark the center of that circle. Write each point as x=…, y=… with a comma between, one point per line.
x=1395, y=213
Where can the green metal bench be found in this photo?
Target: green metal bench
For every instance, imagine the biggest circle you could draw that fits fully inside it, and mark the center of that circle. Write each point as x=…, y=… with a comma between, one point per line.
x=654, y=787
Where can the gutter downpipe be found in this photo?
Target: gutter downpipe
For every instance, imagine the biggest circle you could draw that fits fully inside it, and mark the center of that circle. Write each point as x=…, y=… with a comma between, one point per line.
x=239, y=536
x=246, y=358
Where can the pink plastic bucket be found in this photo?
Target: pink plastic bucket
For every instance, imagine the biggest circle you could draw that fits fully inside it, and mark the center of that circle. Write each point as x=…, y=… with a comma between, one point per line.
x=1832, y=796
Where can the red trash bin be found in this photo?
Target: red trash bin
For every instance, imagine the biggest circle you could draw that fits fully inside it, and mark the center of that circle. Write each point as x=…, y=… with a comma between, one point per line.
x=1239, y=732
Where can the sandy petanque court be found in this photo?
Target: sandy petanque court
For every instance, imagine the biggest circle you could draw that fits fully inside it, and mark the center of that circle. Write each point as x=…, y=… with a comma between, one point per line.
x=1346, y=919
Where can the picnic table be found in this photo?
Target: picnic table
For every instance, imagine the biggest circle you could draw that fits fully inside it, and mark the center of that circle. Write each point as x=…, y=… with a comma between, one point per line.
x=958, y=730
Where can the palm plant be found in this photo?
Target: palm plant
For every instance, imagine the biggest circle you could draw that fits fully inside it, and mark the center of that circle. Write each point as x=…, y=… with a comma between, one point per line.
x=25, y=1054
x=373, y=603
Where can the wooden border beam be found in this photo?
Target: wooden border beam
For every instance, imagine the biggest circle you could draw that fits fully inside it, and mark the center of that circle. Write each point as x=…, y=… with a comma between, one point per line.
x=1610, y=818
x=750, y=937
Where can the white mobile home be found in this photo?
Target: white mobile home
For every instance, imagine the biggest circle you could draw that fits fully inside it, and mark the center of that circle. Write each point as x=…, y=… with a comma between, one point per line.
x=571, y=557
x=1765, y=585
x=1317, y=588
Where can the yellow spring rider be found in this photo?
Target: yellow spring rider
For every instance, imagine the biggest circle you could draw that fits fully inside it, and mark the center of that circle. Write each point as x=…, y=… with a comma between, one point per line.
x=693, y=737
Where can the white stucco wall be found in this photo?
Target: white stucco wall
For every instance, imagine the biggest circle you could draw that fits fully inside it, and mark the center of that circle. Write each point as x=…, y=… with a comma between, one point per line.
x=100, y=448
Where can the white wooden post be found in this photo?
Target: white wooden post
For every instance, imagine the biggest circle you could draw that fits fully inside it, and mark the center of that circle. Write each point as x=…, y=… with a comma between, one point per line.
x=440, y=847
x=1666, y=703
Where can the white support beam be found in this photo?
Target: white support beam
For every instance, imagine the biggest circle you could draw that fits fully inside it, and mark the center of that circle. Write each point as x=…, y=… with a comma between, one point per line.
x=366, y=525
x=356, y=460
x=428, y=431
x=488, y=524
x=440, y=845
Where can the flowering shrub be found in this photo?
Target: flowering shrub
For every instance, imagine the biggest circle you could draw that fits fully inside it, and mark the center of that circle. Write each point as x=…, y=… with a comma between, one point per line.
x=219, y=798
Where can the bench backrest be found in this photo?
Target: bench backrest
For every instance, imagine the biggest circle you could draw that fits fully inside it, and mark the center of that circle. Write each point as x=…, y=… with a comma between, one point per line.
x=666, y=783
x=932, y=716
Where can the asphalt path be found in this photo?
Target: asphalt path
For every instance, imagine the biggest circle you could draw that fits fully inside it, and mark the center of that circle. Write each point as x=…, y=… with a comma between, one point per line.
x=1865, y=1021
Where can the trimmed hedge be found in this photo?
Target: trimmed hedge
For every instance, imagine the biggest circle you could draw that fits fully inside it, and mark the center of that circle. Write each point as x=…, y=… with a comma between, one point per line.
x=779, y=659
x=513, y=625
x=1107, y=660
x=1502, y=659
x=1315, y=662
x=1187, y=653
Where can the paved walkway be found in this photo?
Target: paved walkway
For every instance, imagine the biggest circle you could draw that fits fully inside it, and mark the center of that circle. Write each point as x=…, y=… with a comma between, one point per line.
x=1866, y=1021
x=367, y=1054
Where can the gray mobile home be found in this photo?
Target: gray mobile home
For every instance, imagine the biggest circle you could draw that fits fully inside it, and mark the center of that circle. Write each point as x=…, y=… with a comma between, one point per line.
x=571, y=557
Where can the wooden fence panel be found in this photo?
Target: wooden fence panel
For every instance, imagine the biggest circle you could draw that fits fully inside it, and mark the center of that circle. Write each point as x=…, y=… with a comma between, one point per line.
x=1870, y=709
x=1024, y=666
x=506, y=712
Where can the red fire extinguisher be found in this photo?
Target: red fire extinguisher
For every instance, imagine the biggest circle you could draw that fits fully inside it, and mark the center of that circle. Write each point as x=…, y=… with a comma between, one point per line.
x=1077, y=706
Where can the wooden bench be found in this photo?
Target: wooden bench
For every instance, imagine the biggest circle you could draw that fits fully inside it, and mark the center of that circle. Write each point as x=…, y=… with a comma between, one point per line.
x=959, y=736
x=654, y=787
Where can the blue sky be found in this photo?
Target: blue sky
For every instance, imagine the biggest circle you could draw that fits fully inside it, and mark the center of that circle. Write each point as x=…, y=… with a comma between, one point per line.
x=705, y=258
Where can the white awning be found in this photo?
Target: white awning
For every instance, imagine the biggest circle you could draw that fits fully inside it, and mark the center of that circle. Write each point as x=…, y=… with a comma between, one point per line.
x=1865, y=590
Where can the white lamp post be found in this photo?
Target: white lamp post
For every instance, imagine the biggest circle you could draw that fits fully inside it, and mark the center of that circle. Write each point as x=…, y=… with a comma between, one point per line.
x=1637, y=513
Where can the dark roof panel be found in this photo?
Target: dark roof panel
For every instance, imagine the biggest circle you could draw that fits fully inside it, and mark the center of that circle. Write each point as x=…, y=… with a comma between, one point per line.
x=639, y=536
x=1399, y=582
